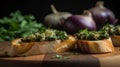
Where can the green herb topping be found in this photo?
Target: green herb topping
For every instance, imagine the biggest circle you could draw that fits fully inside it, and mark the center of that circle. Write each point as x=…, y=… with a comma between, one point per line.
x=92, y=35
x=61, y=57
x=46, y=35
x=112, y=29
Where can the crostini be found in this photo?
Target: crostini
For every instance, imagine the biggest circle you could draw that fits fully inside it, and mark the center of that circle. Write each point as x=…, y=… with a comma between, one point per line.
x=94, y=41
x=114, y=32
x=47, y=41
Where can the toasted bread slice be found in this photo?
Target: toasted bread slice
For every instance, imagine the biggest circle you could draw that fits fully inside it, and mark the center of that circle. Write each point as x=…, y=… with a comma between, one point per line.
x=66, y=45
x=20, y=48
x=100, y=46
x=116, y=40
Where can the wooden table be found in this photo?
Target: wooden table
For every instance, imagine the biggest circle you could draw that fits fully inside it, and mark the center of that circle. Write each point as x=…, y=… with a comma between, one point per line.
x=49, y=60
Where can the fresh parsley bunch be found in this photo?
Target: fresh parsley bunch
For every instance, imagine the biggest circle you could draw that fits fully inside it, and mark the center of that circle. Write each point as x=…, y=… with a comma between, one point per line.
x=17, y=25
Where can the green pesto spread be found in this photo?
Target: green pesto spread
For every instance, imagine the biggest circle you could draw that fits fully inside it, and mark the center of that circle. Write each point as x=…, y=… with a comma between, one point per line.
x=92, y=35
x=112, y=29
x=46, y=35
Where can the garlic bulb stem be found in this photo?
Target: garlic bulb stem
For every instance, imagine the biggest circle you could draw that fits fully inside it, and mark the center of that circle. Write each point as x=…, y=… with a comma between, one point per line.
x=54, y=9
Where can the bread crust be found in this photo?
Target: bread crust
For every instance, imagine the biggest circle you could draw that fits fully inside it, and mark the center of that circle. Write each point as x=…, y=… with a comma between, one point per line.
x=19, y=48
x=100, y=46
x=116, y=40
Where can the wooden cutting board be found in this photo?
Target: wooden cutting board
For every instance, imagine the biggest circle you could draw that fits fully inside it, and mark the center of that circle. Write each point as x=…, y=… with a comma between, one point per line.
x=81, y=60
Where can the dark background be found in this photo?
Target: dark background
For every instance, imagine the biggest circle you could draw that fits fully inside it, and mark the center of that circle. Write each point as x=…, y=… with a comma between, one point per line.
x=40, y=8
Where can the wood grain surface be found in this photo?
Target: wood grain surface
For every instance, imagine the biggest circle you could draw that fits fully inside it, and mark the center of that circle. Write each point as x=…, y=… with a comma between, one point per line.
x=81, y=60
